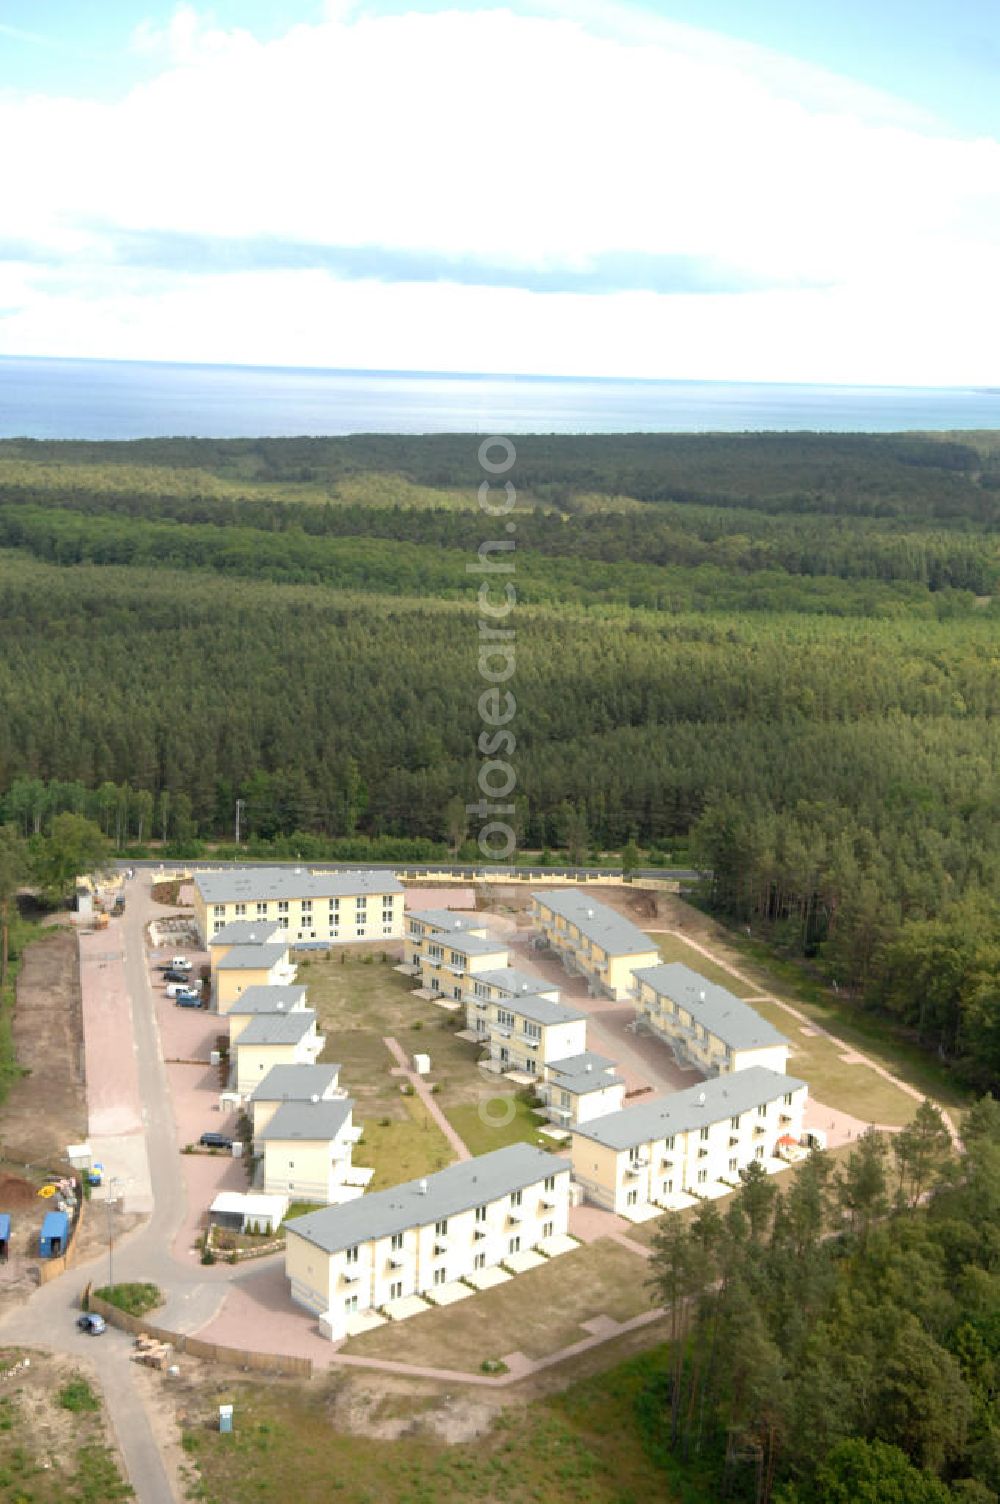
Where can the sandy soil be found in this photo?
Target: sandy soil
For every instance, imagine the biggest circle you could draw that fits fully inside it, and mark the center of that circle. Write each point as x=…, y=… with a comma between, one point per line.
x=48, y=1039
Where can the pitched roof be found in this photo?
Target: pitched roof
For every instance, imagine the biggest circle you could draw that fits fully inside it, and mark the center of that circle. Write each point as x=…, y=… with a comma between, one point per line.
x=473, y=1182
x=613, y=933
x=308, y=1120
x=694, y=1107
x=296, y=1083
x=250, y=884
x=278, y=1028
x=539, y=1010
x=468, y=945
x=727, y=1017
x=446, y=919
x=252, y=958
x=245, y=932
x=516, y=983
x=269, y=1000
x=586, y=1063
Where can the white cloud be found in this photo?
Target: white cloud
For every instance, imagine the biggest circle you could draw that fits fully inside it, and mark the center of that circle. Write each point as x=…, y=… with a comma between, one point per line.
x=539, y=141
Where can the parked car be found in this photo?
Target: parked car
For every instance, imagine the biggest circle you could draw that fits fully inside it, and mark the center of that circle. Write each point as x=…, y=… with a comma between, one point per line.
x=175, y=988
x=188, y=999
x=177, y=976
x=180, y=963
x=92, y=1323
x=215, y=1141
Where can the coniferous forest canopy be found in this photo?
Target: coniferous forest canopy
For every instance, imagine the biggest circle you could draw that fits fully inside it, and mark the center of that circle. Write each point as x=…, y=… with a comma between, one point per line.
x=774, y=654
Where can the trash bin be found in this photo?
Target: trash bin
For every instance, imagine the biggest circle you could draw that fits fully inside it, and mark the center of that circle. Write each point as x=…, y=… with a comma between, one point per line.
x=225, y=1418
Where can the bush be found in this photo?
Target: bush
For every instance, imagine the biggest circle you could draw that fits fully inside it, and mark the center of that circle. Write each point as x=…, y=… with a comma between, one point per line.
x=207, y=1256
x=385, y=1122
x=419, y=1023
x=135, y=1299
x=435, y=1088
x=77, y=1395
x=407, y=1089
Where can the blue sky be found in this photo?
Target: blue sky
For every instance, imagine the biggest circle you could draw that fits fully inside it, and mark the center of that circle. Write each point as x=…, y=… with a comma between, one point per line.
x=769, y=189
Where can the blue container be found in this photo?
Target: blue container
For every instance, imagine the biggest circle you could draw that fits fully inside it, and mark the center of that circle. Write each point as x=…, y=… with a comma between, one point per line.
x=54, y=1236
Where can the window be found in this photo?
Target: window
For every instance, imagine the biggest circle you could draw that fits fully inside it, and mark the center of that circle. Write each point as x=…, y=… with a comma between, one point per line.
x=564, y=1099
x=480, y=1214
x=360, y=928
x=351, y=1304
x=550, y=1183
x=282, y=905
x=457, y=960
x=758, y=1153
x=532, y=1031
x=632, y=1198
x=282, y=921
x=788, y=1099
x=633, y=1154
x=704, y=1135
x=505, y=1018
x=514, y=1246
x=262, y=911
x=361, y=904
x=482, y=990
x=529, y=1065
x=307, y=907
x=548, y=1229
x=734, y=1122
x=397, y=1241
x=668, y=1144
x=733, y=1164
x=396, y=1290
x=479, y=1262
x=335, y=909
x=668, y=1186
x=440, y=1228
x=702, y=1177
x=762, y=1110
x=440, y=1276
x=220, y=924
x=351, y=1255
x=219, y=910
x=516, y=1197
x=387, y=929
x=241, y=909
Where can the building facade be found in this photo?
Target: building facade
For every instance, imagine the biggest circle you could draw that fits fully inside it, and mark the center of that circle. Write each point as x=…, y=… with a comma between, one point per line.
x=404, y=1241
x=246, y=966
x=592, y=941
x=579, y=1088
x=321, y=908
x=523, y=1033
x=260, y=1001
x=425, y=924
x=292, y=1083
x=449, y=961
x=644, y=1155
x=307, y=1149
x=705, y=1025
x=273, y=1039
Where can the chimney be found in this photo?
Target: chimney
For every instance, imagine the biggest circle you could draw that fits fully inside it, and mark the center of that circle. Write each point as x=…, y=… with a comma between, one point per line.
x=701, y=995
x=701, y=1099
x=314, y=1098
x=589, y=1066
x=422, y=1187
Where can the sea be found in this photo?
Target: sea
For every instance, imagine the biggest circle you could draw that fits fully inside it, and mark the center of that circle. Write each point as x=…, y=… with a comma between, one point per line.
x=106, y=399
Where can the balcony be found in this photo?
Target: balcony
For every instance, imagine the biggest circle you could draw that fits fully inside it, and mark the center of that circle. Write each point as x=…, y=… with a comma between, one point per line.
x=480, y=1231
x=734, y=1139
x=396, y=1261
x=351, y=1276
x=513, y=1216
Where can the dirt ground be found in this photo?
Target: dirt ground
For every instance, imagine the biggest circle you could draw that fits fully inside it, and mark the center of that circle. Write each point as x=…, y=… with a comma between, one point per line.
x=47, y=1108
x=40, y=1427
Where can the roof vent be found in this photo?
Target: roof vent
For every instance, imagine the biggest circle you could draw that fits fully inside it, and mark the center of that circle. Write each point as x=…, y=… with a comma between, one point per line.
x=280, y=1006
x=314, y=1098
x=422, y=1187
x=701, y=1099
x=589, y=1066
x=701, y=995
x=590, y=913
x=524, y=986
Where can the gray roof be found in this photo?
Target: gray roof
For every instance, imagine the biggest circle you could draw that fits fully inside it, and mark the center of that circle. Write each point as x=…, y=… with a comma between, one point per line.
x=539, y=1009
x=473, y=1182
x=278, y=1028
x=308, y=1120
x=446, y=919
x=268, y=1000
x=583, y=1084
x=694, y=1107
x=253, y=884
x=613, y=933
x=296, y=1083
x=252, y=957
x=245, y=932
x=727, y=1017
x=585, y=1063
x=517, y=983
x=468, y=945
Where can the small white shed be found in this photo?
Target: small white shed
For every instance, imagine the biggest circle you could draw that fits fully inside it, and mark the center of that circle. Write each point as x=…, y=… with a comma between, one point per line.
x=247, y=1211
x=422, y=1064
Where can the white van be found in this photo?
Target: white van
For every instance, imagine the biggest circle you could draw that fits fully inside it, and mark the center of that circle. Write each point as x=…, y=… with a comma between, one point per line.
x=180, y=963
x=173, y=988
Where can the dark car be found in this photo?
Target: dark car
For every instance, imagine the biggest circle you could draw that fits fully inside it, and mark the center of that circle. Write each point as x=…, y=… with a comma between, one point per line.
x=170, y=975
x=189, y=1000
x=215, y=1141
x=92, y=1323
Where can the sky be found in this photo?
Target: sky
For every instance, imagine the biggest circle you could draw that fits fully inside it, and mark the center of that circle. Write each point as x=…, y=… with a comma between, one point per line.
x=757, y=190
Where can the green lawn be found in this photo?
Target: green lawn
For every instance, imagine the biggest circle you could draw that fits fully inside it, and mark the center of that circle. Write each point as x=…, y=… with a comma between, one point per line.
x=536, y=1313
x=403, y=1149
x=673, y=949
x=594, y=1444
x=483, y=1125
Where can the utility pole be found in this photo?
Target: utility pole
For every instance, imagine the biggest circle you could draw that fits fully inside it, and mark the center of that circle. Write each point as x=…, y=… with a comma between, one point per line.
x=112, y=1204
x=241, y=805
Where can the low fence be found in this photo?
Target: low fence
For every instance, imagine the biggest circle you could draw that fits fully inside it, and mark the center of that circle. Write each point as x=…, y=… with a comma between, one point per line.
x=52, y=1268
x=231, y=1357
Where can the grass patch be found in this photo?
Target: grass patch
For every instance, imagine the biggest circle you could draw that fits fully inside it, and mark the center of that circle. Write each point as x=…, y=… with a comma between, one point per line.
x=482, y=1125
x=134, y=1299
x=536, y=1313
x=403, y=1150
x=77, y=1396
x=594, y=1444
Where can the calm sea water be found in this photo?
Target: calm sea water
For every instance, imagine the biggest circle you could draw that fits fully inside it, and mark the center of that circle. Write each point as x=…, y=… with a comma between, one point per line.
x=82, y=399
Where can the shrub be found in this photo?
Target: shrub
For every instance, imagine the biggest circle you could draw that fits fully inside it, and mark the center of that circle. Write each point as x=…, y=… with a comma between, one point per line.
x=419, y=1023
x=385, y=1122
x=435, y=1088
x=407, y=1089
x=207, y=1256
x=135, y=1299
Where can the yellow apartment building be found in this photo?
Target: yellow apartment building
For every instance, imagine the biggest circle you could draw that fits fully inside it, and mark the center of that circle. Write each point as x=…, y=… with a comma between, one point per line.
x=487, y=987
x=449, y=961
x=426, y=1233
x=307, y=1148
x=292, y=1083
x=580, y=1087
x=643, y=1156
x=241, y=932
x=246, y=966
x=425, y=924
x=310, y=908
x=705, y=1026
x=275, y=1039
x=591, y=940
x=525, y=1031
x=262, y=1000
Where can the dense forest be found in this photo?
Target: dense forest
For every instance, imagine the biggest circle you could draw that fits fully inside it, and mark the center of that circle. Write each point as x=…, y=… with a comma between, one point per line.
x=838, y=1341
x=776, y=653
